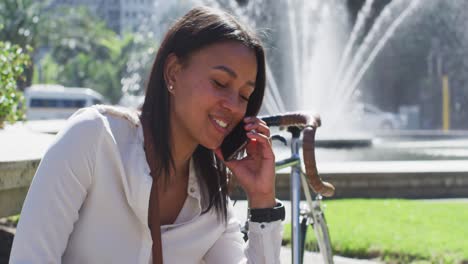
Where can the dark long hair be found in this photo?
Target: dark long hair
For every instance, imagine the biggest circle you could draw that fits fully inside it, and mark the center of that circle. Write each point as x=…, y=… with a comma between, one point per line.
x=199, y=28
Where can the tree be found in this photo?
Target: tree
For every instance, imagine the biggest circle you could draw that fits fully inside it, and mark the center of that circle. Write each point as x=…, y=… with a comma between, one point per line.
x=14, y=60
x=72, y=46
x=22, y=25
x=84, y=52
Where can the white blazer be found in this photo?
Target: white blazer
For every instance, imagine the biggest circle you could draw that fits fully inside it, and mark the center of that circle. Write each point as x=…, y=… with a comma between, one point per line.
x=88, y=203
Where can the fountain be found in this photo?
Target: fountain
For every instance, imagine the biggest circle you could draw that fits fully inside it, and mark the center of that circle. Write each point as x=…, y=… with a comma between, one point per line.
x=303, y=54
x=321, y=62
x=318, y=59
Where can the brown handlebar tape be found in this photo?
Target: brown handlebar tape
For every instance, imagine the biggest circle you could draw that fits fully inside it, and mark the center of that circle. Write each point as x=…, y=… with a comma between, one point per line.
x=310, y=124
x=292, y=119
x=308, y=145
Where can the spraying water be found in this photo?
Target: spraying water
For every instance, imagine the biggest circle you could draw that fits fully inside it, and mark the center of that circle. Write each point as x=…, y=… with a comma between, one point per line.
x=309, y=44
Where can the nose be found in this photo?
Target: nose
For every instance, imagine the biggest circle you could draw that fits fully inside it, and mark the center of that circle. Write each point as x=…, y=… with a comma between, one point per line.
x=234, y=104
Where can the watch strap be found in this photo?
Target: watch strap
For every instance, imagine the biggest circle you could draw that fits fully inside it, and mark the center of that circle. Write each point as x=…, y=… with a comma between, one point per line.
x=266, y=215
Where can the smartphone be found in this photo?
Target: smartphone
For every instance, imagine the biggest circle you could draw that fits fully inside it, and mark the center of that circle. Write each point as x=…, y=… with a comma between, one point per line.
x=234, y=143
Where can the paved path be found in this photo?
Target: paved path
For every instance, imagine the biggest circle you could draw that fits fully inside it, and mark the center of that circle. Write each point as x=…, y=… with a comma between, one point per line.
x=240, y=208
x=314, y=258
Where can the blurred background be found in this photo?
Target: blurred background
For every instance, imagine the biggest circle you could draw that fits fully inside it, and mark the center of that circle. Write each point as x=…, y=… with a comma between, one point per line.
x=324, y=56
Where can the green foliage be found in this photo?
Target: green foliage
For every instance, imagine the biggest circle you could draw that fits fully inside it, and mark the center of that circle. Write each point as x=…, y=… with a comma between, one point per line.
x=23, y=25
x=85, y=53
x=13, y=220
x=73, y=31
x=397, y=231
x=13, y=60
x=49, y=73
x=80, y=50
x=22, y=22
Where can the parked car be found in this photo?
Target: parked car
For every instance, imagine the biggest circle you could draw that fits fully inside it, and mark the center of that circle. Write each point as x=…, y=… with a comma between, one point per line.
x=45, y=101
x=371, y=117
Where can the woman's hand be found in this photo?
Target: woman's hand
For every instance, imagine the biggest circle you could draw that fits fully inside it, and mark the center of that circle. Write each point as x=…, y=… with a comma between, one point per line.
x=256, y=172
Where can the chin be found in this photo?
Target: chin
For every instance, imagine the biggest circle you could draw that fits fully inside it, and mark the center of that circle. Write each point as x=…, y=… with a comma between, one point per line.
x=211, y=144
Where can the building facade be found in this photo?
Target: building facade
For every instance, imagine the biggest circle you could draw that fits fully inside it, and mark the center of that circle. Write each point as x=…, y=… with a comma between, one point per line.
x=119, y=15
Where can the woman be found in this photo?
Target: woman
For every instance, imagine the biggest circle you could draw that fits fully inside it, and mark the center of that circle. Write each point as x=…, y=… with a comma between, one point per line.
x=92, y=199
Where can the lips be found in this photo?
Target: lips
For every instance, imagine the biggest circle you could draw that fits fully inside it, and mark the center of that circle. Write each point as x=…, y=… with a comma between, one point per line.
x=221, y=124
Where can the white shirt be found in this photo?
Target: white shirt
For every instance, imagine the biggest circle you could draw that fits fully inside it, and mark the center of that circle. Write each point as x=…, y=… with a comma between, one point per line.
x=88, y=203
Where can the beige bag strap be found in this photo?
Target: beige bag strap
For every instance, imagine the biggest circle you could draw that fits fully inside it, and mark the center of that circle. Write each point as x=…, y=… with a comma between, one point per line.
x=154, y=221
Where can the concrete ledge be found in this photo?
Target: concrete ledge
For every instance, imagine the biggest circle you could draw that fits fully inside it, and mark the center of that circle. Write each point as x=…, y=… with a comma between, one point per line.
x=17, y=174
x=15, y=178
x=18, y=142
x=20, y=154
x=405, y=179
x=422, y=134
x=11, y=201
x=22, y=149
x=399, y=179
x=400, y=185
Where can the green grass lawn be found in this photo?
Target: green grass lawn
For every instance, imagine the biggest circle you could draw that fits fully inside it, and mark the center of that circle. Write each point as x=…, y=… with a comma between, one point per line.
x=397, y=231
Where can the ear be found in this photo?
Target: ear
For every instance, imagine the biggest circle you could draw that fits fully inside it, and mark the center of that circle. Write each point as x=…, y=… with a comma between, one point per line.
x=172, y=68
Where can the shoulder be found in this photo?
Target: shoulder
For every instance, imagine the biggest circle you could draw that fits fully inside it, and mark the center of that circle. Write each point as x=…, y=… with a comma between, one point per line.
x=107, y=115
x=96, y=119
x=85, y=121
x=121, y=124
x=119, y=113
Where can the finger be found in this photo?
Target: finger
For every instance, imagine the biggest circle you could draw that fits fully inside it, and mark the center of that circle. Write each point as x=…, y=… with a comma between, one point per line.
x=259, y=148
x=260, y=138
x=259, y=128
x=254, y=122
x=254, y=119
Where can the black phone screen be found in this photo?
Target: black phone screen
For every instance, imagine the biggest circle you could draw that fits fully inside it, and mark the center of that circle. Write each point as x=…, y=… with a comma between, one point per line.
x=235, y=142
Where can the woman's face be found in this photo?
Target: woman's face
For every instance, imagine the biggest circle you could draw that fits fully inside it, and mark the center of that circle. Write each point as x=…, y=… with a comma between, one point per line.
x=211, y=92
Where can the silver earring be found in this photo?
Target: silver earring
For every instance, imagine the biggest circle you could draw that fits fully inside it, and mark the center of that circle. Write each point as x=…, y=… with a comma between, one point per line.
x=171, y=88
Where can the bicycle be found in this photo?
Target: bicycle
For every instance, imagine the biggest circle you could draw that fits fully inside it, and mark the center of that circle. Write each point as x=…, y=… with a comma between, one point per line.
x=312, y=214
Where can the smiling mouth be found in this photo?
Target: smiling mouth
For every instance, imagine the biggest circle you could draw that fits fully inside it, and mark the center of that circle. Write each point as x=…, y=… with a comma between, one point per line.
x=220, y=124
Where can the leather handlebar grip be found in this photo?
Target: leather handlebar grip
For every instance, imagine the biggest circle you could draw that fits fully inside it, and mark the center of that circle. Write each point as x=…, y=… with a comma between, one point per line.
x=310, y=124
x=291, y=119
x=308, y=146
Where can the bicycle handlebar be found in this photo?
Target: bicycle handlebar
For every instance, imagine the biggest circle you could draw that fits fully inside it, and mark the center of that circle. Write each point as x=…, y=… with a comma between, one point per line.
x=308, y=148
x=309, y=125
x=292, y=119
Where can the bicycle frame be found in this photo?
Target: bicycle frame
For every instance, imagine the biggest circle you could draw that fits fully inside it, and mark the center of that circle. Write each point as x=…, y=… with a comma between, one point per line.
x=297, y=180
x=297, y=124
x=295, y=163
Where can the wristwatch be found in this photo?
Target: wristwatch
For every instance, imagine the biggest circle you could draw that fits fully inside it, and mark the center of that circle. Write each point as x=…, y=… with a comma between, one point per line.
x=266, y=215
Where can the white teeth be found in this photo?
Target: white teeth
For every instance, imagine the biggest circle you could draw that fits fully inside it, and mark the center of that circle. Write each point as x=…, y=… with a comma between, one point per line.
x=221, y=123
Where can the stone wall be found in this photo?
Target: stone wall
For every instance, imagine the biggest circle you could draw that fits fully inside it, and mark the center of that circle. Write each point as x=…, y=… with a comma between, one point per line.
x=15, y=178
x=429, y=179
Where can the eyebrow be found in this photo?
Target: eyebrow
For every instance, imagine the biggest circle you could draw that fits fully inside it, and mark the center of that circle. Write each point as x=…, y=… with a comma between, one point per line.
x=231, y=73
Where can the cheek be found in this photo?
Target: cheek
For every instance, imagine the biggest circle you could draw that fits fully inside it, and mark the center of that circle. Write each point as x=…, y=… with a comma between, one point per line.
x=189, y=100
x=190, y=83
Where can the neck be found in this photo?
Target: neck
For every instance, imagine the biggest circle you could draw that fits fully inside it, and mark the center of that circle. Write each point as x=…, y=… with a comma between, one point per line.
x=183, y=147
x=181, y=155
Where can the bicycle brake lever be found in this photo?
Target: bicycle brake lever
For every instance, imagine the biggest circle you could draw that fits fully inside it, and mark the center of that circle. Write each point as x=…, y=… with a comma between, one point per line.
x=279, y=138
